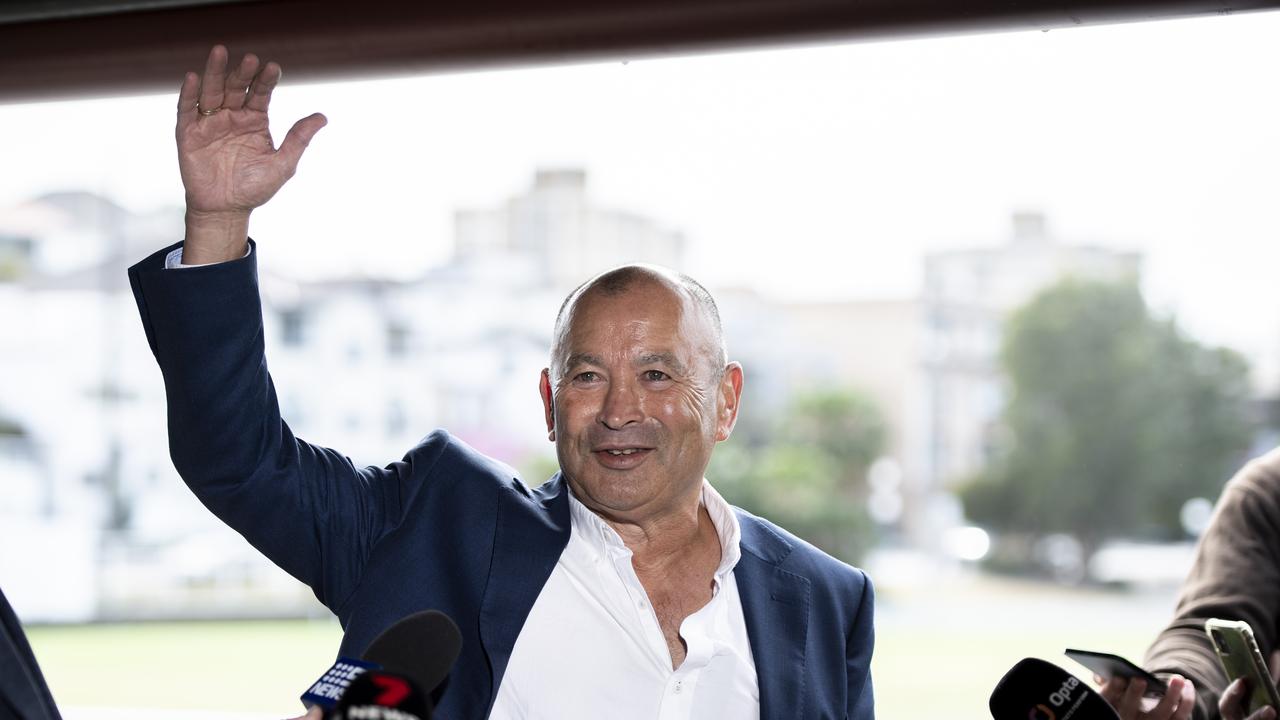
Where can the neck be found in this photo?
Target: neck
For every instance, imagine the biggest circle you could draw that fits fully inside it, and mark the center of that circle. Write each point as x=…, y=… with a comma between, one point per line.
x=657, y=539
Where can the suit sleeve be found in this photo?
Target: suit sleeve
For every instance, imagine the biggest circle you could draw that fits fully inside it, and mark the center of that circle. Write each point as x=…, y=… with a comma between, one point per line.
x=306, y=508
x=1235, y=576
x=859, y=645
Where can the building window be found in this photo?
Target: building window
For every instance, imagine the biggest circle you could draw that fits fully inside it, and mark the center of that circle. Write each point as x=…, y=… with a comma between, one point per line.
x=397, y=340
x=292, y=327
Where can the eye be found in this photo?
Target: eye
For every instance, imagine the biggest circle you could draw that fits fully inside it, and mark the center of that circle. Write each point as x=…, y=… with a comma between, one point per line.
x=656, y=376
x=587, y=376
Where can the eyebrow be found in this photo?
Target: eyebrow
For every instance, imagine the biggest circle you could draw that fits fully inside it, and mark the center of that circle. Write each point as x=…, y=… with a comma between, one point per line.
x=577, y=359
x=662, y=358
x=668, y=359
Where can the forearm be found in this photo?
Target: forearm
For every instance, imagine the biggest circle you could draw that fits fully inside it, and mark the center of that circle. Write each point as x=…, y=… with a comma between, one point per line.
x=205, y=329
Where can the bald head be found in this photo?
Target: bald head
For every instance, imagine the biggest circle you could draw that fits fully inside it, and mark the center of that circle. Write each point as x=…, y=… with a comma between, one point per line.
x=623, y=280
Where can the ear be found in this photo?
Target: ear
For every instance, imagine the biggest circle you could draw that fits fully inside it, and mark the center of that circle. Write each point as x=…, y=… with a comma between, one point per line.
x=727, y=404
x=548, y=403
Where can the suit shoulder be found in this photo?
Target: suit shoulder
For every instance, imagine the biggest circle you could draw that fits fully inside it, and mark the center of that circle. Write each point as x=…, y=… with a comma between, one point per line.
x=448, y=458
x=793, y=554
x=442, y=446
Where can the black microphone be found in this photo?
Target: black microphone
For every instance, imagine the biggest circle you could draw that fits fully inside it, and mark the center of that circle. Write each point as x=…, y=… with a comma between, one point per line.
x=420, y=648
x=423, y=646
x=1038, y=690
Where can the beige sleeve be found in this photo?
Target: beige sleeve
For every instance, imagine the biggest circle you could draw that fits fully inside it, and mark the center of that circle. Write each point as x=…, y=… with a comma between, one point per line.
x=1236, y=576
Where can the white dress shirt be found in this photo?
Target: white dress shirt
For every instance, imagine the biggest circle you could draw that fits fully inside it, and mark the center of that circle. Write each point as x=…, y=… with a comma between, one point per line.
x=592, y=646
x=173, y=260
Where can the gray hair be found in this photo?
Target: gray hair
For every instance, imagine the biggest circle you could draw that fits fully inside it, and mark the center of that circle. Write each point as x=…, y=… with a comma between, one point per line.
x=617, y=281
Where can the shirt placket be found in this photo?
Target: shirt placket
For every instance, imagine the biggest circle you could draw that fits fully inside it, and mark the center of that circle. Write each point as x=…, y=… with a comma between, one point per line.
x=682, y=685
x=641, y=609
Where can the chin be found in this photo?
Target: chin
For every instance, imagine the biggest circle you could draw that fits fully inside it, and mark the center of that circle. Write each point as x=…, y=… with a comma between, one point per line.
x=611, y=494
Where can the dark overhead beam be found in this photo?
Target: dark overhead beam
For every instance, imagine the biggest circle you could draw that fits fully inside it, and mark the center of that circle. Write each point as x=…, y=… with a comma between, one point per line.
x=147, y=51
x=14, y=11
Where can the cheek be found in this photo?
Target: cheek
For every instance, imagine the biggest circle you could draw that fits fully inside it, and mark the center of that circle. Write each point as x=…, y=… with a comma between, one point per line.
x=688, y=406
x=573, y=413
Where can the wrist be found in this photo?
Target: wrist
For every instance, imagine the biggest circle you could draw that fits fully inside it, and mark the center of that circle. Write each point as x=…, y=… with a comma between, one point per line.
x=214, y=237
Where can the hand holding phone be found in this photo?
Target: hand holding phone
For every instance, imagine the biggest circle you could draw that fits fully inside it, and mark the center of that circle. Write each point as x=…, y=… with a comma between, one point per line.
x=1108, y=666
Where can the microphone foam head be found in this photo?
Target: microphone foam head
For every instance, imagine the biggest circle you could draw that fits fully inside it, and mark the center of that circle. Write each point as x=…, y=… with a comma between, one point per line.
x=423, y=646
x=1038, y=690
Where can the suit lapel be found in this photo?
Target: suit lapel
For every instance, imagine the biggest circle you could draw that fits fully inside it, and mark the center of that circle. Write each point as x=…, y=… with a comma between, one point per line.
x=775, y=605
x=532, y=530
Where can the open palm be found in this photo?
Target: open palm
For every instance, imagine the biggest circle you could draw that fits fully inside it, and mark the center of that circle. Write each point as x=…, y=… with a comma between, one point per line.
x=228, y=161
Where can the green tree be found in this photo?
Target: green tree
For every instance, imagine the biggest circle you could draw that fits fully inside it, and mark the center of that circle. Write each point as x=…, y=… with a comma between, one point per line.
x=805, y=469
x=1115, y=419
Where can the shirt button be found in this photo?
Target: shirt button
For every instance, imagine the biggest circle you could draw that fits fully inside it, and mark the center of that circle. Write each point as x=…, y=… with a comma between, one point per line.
x=640, y=604
x=679, y=686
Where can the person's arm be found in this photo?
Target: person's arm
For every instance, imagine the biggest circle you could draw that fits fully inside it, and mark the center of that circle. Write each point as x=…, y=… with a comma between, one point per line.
x=1236, y=576
x=307, y=508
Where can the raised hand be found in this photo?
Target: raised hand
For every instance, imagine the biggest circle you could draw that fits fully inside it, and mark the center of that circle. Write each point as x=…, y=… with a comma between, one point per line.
x=228, y=161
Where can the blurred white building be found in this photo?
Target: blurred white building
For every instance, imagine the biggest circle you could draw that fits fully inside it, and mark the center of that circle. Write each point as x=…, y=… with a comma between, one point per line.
x=82, y=404
x=94, y=521
x=563, y=236
x=874, y=346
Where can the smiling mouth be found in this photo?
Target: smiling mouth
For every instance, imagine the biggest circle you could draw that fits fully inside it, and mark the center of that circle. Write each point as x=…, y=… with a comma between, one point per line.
x=621, y=458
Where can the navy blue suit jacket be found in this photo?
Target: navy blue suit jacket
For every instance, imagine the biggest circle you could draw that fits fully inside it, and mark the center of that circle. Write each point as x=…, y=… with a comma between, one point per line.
x=445, y=527
x=23, y=692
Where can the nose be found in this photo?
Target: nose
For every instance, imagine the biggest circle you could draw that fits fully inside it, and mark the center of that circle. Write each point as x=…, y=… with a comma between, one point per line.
x=621, y=406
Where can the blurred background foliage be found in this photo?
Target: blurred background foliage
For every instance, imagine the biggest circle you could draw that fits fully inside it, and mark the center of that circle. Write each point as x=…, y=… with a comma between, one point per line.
x=1115, y=420
x=805, y=468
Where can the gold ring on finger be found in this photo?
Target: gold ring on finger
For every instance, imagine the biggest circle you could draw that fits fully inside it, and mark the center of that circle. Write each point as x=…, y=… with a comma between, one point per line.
x=207, y=113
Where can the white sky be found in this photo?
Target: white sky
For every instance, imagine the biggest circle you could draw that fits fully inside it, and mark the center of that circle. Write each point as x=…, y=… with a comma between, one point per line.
x=815, y=172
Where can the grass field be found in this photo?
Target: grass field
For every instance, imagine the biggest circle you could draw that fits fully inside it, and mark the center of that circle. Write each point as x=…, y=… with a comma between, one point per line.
x=938, y=653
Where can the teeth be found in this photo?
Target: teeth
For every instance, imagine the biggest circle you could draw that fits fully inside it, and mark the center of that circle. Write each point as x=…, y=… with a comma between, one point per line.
x=628, y=451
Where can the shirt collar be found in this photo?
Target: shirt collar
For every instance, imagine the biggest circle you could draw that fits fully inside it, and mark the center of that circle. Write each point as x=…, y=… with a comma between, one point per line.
x=601, y=539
